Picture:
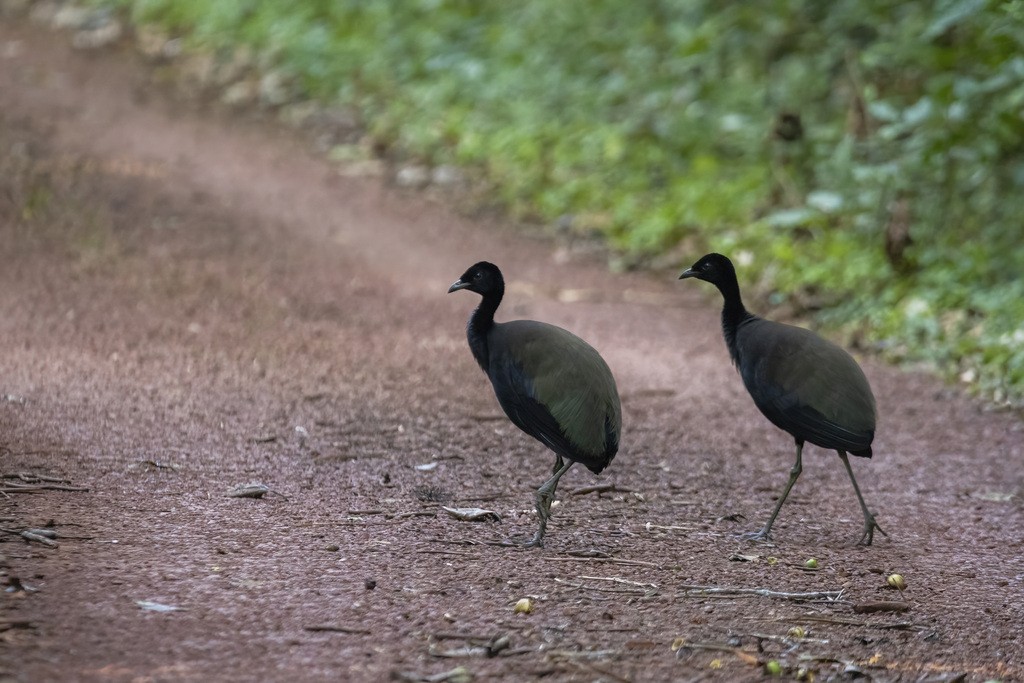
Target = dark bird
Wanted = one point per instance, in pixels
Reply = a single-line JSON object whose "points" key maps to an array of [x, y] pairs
{"points": [[804, 384], [551, 384]]}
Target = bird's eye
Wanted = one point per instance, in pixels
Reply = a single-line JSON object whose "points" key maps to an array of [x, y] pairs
{"points": [[478, 275]]}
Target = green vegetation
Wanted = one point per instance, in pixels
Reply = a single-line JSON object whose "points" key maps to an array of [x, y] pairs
{"points": [[860, 157]]}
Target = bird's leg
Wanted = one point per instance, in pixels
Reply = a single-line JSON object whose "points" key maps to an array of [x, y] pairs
{"points": [[869, 519], [794, 474], [558, 464], [545, 494]]}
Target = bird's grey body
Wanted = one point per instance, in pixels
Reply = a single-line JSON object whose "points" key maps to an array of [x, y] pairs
{"points": [[557, 389], [802, 383], [550, 383]]}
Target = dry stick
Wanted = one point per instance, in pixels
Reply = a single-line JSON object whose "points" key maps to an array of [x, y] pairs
{"points": [[623, 629], [718, 647], [600, 488], [448, 635], [158, 465], [29, 536], [609, 560], [35, 488], [869, 607], [33, 478], [839, 621], [615, 579], [448, 552], [599, 589], [787, 638], [327, 628], [763, 592], [469, 541], [584, 654]]}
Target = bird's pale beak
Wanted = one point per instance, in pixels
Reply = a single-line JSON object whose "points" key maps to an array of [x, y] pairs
{"points": [[689, 272], [457, 285]]}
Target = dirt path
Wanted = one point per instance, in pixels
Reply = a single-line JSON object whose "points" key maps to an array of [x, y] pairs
{"points": [[189, 303]]}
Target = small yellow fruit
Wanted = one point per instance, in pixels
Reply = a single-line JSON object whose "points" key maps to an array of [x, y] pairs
{"points": [[716, 664], [772, 561], [773, 668], [811, 563], [896, 581], [523, 606], [797, 632]]}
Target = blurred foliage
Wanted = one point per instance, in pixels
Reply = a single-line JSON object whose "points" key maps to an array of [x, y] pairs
{"points": [[863, 158]]}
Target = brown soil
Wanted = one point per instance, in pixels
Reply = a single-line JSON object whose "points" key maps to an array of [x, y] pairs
{"points": [[191, 302]]}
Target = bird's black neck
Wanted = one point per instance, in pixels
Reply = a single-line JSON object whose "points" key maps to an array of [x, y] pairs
{"points": [[481, 323], [733, 314]]}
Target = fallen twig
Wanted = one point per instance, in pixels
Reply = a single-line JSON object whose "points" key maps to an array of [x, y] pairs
{"points": [[830, 596], [600, 589], [417, 513], [788, 638], [253, 491], [36, 488], [683, 644], [33, 535], [584, 654], [870, 607], [490, 647], [601, 488], [158, 465], [454, 553], [676, 527], [471, 541], [328, 628], [608, 560], [30, 478], [449, 635], [898, 626], [616, 579]]}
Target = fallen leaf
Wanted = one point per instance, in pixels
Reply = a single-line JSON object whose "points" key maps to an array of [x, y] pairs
{"points": [[472, 514], [737, 557], [151, 606], [249, 491]]}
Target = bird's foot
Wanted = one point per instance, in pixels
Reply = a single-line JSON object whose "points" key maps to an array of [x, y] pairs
{"points": [[869, 531], [759, 535], [536, 542]]}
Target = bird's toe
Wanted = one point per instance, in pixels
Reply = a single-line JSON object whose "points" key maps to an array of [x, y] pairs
{"points": [[536, 542], [759, 535], [869, 531]]}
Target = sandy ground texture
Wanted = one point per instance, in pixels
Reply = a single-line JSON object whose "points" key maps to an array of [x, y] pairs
{"points": [[191, 301]]}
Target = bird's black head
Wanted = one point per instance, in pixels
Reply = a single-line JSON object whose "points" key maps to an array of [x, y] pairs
{"points": [[483, 278], [713, 268]]}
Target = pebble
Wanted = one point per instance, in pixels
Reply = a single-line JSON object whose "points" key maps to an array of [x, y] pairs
{"points": [[412, 176]]}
